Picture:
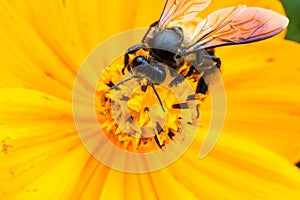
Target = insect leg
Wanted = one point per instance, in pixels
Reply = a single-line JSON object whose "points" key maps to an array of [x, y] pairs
{"points": [[199, 57], [206, 62], [157, 141], [178, 79], [210, 51], [159, 130], [160, 102], [210, 73], [215, 59], [211, 55], [201, 86]]}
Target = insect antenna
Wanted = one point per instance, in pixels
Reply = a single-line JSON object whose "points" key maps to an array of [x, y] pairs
{"points": [[156, 93], [124, 81]]}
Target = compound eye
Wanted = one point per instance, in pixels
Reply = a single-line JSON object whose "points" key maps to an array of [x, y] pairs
{"points": [[140, 60]]}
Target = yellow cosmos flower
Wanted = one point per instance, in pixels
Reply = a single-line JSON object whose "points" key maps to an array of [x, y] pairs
{"points": [[43, 44]]}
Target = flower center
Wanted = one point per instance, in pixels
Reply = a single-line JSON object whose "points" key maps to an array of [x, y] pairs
{"points": [[131, 116]]}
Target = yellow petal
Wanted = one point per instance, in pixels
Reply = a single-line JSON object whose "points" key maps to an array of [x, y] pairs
{"points": [[148, 12], [237, 169], [91, 180], [39, 145], [27, 58], [261, 82], [44, 43], [75, 26]]}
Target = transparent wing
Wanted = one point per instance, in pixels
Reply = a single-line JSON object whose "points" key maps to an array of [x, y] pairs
{"points": [[176, 11], [236, 25]]}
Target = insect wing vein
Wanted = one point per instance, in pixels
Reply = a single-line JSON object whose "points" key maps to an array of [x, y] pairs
{"points": [[236, 25]]}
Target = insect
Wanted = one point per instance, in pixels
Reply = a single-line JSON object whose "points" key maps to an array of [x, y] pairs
{"points": [[169, 42], [177, 37]]}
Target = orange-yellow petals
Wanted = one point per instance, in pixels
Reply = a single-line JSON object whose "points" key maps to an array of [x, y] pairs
{"points": [[261, 82], [27, 58], [237, 169], [43, 44], [38, 145]]}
